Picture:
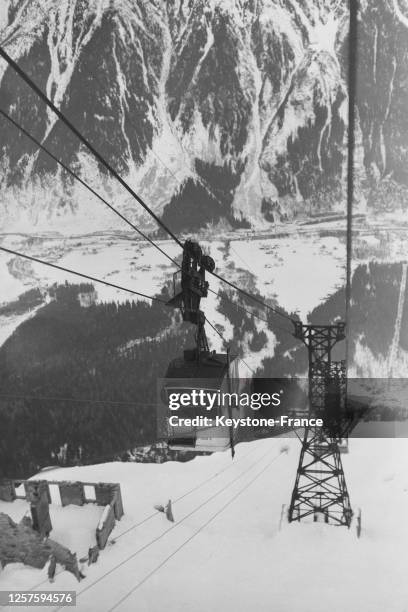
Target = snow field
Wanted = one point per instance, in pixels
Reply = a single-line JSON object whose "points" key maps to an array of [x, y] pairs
{"points": [[232, 555]]}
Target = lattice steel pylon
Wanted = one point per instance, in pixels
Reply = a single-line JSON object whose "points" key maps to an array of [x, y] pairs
{"points": [[320, 488]]}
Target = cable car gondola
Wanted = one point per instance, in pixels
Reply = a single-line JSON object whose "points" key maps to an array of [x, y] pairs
{"points": [[199, 368]]}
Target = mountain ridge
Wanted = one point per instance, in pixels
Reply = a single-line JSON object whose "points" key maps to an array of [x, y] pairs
{"points": [[233, 111]]}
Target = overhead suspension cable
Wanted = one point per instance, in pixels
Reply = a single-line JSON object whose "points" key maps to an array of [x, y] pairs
{"points": [[107, 283], [249, 312], [211, 192], [121, 288], [86, 142], [189, 492], [252, 297], [194, 534], [208, 188], [157, 512], [174, 525], [81, 274], [352, 90], [84, 183], [215, 329], [115, 174]]}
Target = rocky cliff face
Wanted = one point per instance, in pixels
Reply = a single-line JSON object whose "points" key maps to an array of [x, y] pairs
{"points": [[212, 109]]}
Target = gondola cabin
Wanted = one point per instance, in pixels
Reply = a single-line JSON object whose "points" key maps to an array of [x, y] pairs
{"points": [[199, 370], [212, 373]]}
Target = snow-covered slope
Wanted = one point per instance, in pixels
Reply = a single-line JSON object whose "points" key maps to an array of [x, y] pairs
{"points": [[227, 550], [234, 110]]}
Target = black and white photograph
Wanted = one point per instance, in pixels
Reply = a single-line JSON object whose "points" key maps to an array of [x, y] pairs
{"points": [[204, 305]]}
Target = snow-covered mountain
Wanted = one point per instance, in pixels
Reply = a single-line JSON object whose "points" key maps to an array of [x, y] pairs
{"points": [[212, 109]]}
